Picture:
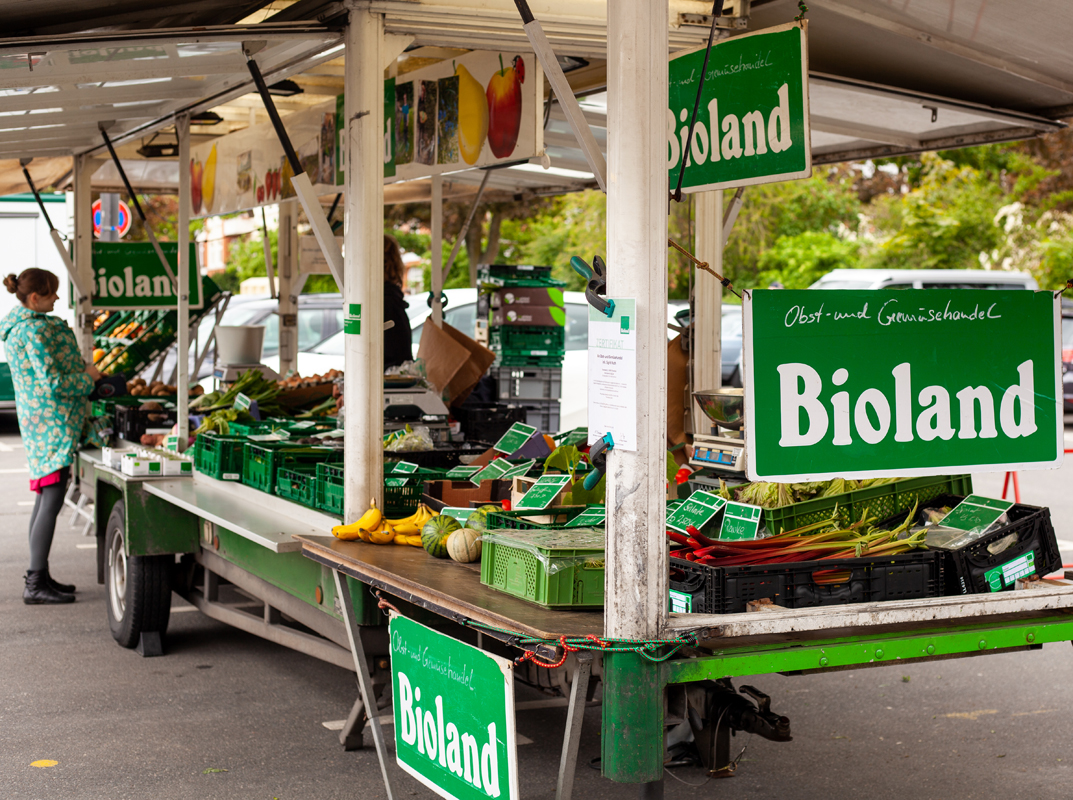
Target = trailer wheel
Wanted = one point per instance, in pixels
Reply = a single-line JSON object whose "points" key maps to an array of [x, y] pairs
{"points": [[138, 588]]}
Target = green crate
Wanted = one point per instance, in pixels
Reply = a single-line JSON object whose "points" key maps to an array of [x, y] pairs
{"points": [[528, 340], [527, 520], [880, 501], [401, 501], [218, 456], [330, 488], [261, 461], [298, 483], [552, 568]]}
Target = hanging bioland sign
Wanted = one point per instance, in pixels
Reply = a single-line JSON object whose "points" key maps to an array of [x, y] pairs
{"points": [[129, 275], [860, 384], [753, 119], [454, 714]]}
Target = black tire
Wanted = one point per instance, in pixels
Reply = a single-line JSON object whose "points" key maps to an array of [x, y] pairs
{"points": [[137, 588]]}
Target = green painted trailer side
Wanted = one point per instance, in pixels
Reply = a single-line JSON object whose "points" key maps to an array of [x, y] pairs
{"points": [[633, 698]]}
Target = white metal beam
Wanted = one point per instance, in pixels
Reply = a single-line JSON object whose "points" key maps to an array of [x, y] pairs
{"points": [[182, 347]]}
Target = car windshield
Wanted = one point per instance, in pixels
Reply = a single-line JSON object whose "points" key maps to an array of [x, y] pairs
{"points": [[845, 283], [731, 327], [1067, 332], [332, 346]]}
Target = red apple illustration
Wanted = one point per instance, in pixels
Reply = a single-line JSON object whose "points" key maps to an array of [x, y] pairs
{"points": [[196, 171], [505, 107]]}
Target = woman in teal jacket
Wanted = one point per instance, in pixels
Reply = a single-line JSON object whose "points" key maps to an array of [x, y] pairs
{"points": [[51, 386]]}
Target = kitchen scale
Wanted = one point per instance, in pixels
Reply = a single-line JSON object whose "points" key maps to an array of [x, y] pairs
{"points": [[722, 451]]}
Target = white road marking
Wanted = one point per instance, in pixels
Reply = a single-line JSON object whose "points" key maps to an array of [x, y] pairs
{"points": [[1064, 544], [180, 609], [90, 547], [14, 471], [9, 448], [25, 503]]}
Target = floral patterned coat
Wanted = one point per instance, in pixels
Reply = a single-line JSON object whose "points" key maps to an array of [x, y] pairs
{"points": [[51, 387]]}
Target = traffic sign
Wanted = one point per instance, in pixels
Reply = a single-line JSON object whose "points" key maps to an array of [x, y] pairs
{"points": [[124, 218]]}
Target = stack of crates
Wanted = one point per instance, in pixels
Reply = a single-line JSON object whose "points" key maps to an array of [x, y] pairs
{"points": [[527, 332]]}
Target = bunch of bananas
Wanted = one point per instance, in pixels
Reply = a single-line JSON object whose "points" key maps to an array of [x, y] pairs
{"points": [[374, 528]]}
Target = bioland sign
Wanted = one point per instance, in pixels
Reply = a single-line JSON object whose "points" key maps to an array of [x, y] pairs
{"points": [[861, 384], [752, 123], [454, 714]]}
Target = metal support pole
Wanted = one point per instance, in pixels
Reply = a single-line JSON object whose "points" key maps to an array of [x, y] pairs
{"points": [[636, 601], [182, 359], [57, 239], [437, 273], [270, 267], [575, 716], [465, 227], [303, 187], [361, 665], [138, 207], [363, 290], [565, 95], [707, 302], [84, 167], [287, 254]]}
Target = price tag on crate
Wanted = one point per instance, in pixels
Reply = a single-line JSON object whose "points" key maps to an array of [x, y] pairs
{"points": [[741, 522], [242, 403], [698, 510], [515, 438], [976, 513], [542, 493], [1005, 575], [393, 436], [461, 473], [591, 517], [304, 425], [403, 468], [171, 443], [456, 512], [394, 482], [491, 472]]}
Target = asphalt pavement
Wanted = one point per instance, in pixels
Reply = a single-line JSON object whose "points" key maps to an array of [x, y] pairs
{"points": [[227, 715]]}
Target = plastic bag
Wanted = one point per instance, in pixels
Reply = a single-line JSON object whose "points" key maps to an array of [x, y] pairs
{"points": [[415, 441]]}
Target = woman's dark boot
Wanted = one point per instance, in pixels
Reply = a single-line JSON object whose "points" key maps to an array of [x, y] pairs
{"points": [[64, 588], [38, 591]]}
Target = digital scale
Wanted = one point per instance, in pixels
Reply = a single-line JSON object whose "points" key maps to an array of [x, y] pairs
{"points": [[722, 451], [415, 405], [229, 373]]}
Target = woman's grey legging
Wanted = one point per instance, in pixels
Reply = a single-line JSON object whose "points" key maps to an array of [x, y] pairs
{"points": [[43, 523]]}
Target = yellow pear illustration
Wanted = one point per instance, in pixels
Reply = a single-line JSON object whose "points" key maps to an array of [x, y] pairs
{"points": [[472, 115], [208, 180]]}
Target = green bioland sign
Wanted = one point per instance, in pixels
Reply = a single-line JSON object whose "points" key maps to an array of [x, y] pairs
{"points": [[129, 275], [915, 382], [752, 123], [454, 714]]}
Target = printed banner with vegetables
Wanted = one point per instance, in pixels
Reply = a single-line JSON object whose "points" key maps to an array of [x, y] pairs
{"points": [[915, 382]]}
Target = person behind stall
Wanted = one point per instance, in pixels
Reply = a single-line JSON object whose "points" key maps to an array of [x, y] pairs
{"points": [[51, 386], [397, 338]]}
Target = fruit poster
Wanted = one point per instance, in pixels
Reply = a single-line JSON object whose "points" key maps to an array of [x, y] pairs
{"points": [[247, 169], [480, 109]]}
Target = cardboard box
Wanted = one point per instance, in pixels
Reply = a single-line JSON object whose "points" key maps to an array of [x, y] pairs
{"points": [[465, 494], [533, 316], [526, 297]]}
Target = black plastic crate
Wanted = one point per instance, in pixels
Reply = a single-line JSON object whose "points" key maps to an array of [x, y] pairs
{"points": [[443, 456], [975, 569], [487, 422], [131, 422], [808, 584]]}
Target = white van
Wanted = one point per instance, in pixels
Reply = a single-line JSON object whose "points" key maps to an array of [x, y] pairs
{"points": [[924, 279]]}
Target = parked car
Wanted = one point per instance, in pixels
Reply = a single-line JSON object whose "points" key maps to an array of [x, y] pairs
{"points": [[925, 279]]}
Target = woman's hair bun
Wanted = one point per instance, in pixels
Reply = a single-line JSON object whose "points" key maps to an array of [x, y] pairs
{"points": [[11, 283]]}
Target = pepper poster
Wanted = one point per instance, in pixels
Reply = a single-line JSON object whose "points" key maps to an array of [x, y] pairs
{"points": [[864, 384]]}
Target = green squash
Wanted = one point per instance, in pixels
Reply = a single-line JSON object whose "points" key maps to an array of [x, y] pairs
{"points": [[435, 532]]}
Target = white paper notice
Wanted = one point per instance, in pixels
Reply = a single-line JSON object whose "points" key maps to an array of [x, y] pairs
{"points": [[613, 375]]}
